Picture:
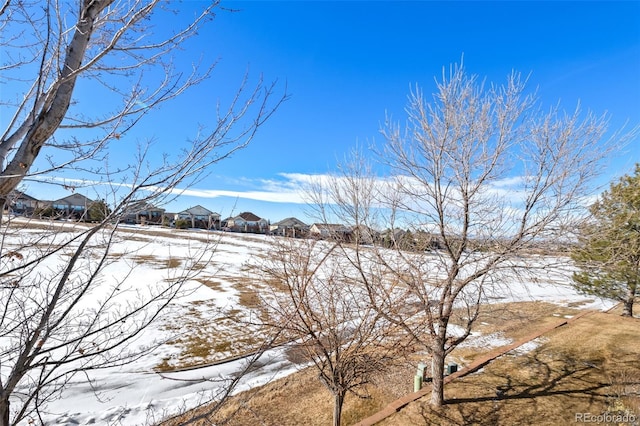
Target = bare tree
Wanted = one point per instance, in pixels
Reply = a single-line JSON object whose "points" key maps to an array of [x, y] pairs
{"points": [[317, 302], [57, 317], [130, 65], [480, 175]]}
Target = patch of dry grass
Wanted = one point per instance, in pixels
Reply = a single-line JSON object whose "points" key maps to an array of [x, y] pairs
{"points": [[144, 259], [285, 402], [45, 224], [512, 321], [210, 282], [203, 339], [199, 266], [234, 331], [249, 298], [249, 290], [200, 350], [117, 255], [173, 263], [148, 259], [589, 366]]}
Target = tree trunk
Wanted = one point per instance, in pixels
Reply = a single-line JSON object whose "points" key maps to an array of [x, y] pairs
{"points": [[4, 411], [627, 310], [437, 373], [3, 202], [337, 408]]}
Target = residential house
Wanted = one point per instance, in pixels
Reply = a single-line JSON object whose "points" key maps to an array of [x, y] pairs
{"points": [[200, 217], [143, 213], [246, 222], [22, 204], [330, 231], [73, 206], [364, 235], [289, 227]]}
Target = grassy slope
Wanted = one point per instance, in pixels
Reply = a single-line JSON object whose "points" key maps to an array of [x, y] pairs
{"points": [[588, 366]]}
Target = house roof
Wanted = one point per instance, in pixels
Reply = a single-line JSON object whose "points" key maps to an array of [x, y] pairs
{"points": [[331, 227], [364, 228], [248, 216], [19, 195], [290, 221], [197, 211], [74, 199]]}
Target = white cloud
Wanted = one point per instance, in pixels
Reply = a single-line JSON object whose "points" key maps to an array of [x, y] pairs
{"points": [[287, 190], [293, 188], [274, 196]]}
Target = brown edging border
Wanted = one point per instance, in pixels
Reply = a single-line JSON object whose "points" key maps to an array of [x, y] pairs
{"points": [[400, 403]]}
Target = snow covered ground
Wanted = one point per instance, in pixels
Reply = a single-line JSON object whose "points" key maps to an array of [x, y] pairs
{"points": [[134, 394], [130, 396]]}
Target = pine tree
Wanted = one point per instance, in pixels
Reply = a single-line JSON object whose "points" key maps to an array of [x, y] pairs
{"points": [[609, 251], [97, 211]]}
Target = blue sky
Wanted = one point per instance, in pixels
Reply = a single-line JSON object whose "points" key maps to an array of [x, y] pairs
{"points": [[346, 64]]}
